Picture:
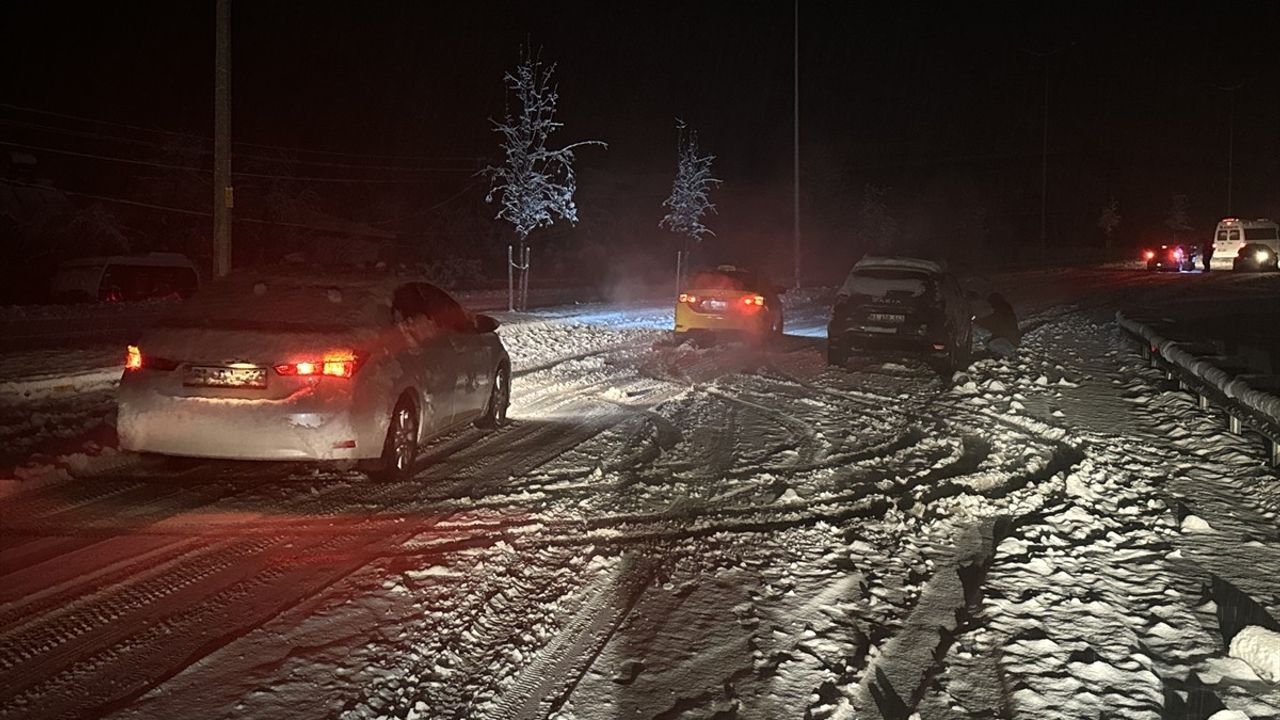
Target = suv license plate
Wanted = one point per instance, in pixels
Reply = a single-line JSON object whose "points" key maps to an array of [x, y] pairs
{"points": [[886, 317], [226, 377]]}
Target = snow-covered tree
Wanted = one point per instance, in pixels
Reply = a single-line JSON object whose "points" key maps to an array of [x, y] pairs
{"points": [[689, 201], [876, 225], [1109, 219], [1179, 213], [535, 184]]}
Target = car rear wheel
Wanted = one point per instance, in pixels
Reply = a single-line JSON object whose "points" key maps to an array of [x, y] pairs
{"points": [[495, 413], [401, 446]]}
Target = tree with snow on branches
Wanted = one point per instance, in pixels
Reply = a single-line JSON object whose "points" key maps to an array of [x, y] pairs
{"points": [[1109, 220], [535, 184], [689, 201]]}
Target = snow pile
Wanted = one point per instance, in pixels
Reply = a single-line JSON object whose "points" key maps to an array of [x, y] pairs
{"points": [[1230, 385], [1194, 523], [1260, 649]]}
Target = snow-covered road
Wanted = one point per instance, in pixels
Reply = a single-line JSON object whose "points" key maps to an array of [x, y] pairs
{"points": [[669, 532]]}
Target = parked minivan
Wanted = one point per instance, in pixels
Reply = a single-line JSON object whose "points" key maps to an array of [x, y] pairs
{"points": [[1233, 233], [124, 278]]}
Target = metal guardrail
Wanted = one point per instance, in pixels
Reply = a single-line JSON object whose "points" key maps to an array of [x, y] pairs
{"points": [[1226, 390]]}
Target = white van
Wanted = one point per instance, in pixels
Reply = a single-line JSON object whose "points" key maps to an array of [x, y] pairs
{"points": [[123, 278], [1233, 233]]}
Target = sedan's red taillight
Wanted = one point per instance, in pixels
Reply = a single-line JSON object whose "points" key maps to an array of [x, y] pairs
{"points": [[688, 298], [340, 364], [752, 302], [135, 360]]}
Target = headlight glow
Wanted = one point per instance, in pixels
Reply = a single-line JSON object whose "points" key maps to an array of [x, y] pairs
{"points": [[1262, 256]]}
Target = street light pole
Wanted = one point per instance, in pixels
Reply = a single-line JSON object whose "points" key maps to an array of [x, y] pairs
{"points": [[1044, 172], [1044, 151], [222, 197], [1230, 90], [1231, 144], [795, 141]]}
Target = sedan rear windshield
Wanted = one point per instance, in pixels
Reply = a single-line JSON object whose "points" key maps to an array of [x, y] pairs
{"points": [[293, 306]]}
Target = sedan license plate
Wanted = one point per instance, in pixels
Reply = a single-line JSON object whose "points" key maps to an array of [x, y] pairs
{"points": [[717, 304], [886, 317], [225, 377]]}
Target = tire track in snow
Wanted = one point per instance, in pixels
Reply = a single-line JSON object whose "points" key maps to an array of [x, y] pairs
{"points": [[20, 640]]}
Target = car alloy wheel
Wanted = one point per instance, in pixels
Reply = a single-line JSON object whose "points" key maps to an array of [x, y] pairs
{"points": [[495, 413], [402, 442]]}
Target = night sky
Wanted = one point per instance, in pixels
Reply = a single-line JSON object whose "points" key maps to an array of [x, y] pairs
{"points": [[897, 95]]}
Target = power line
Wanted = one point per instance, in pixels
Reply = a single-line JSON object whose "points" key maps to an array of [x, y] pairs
{"points": [[139, 128], [202, 213], [429, 210], [203, 150], [92, 156], [190, 168]]}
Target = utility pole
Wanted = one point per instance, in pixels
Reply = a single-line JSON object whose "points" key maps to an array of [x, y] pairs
{"points": [[222, 191], [1231, 139], [795, 140], [1044, 151], [1044, 172], [1231, 145], [1230, 90]]}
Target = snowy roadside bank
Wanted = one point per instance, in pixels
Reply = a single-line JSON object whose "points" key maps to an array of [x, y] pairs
{"points": [[1201, 372], [1124, 595]]}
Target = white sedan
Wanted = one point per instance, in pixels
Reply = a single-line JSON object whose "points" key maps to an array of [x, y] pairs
{"points": [[305, 367]]}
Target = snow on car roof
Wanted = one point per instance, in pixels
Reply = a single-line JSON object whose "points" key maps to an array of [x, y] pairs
{"points": [[896, 261]]}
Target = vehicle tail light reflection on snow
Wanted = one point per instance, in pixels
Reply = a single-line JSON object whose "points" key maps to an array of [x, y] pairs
{"points": [[342, 365]]}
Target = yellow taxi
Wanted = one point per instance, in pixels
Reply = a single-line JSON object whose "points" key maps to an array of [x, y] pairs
{"points": [[728, 302]]}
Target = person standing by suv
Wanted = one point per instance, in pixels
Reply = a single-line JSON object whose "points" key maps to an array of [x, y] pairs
{"points": [[1002, 324]]}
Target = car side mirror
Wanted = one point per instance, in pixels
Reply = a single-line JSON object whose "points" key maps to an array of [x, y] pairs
{"points": [[485, 324]]}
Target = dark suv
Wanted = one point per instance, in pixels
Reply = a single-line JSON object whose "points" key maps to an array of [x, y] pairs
{"points": [[1255, 257], [899, 305]]}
